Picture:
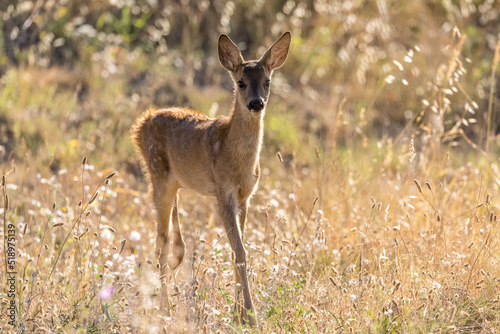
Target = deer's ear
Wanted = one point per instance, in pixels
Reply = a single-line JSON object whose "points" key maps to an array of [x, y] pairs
{"points": [[229, 54], [276, 55]]}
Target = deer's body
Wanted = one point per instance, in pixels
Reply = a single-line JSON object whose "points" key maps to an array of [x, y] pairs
{"points": [[214, 145], [182, 148]]}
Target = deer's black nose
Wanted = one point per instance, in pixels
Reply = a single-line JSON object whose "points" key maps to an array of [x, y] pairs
{"points": [[256, 105]]}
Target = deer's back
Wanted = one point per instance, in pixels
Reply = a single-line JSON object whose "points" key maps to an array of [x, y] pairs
{"points": [[177, 143]]}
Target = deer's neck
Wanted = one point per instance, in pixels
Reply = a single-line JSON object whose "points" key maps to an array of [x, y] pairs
{"points": [[245, 134]]}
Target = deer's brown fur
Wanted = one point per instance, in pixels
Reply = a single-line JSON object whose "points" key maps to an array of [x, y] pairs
{"points": [[182, 148]]}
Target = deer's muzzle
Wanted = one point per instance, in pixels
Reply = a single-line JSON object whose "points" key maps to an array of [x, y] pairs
{"points": [[256, 105]]}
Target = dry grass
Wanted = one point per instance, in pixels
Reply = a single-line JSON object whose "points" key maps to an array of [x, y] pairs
{"points": [[410, 249]]}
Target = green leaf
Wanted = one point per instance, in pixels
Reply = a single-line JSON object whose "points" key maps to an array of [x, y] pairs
{"points": [[105, 307]]}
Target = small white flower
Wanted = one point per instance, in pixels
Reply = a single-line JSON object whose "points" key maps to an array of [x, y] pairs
{"points": [[134, 236], [390, 79]]}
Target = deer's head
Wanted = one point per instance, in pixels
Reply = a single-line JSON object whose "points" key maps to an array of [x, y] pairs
{"points": [[253, 77]]}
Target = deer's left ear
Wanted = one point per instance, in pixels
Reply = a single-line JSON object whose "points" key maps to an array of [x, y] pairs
{"points": [[276, 55]]}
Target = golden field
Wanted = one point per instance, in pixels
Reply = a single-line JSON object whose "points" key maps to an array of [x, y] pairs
{"points": [[377, 208]]}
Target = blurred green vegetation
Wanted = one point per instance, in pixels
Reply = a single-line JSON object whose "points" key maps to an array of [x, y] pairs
{"points": [[78, 72]]}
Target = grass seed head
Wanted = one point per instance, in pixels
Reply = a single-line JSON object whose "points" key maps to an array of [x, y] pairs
{"points": [[418, 185], [122, 245], [110, 175], [411, 152], [332, 281], [280, 158]]}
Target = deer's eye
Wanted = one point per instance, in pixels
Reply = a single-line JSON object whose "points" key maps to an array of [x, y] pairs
{"points": [[241, 84], [267, 83]]}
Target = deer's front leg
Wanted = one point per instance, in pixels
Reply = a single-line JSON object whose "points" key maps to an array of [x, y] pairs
{"points": [[229, 214], [242, 216]]}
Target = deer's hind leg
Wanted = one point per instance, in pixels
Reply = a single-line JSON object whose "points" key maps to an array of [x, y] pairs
{"points": [[178, 247], [165, 198]]}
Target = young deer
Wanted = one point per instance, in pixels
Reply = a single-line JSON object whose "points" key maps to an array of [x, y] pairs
{"points": [[182, 148]]}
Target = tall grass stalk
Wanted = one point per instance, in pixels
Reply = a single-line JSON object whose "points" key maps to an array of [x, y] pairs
{"points": [[489, 119]]}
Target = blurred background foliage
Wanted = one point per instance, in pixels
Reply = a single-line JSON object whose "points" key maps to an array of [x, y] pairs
{"points": [[78, 72]]}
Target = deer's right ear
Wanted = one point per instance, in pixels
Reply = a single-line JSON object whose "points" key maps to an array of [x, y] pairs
{"points": [[229, 54], [276, 55]]}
